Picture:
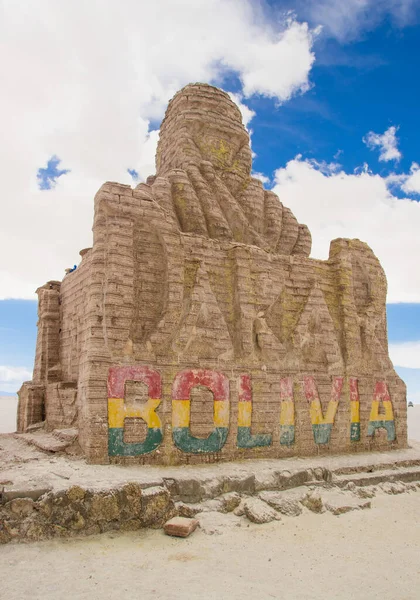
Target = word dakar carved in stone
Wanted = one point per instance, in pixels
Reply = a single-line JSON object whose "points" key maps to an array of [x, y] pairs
{"points": [[219, 385]]}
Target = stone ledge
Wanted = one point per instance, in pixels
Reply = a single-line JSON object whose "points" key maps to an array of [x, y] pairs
{"points": [[48, 496]]}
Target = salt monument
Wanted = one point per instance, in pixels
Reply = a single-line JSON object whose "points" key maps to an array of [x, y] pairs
{"points": [[197, 328]]}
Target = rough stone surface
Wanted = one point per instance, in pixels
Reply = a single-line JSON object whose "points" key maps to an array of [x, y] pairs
{"points": [[287, 503], [365, 492], [339, 503], [75, 508], [188, 510], [314, 502], [334, 500], [197, 329], [78, 511], [393, 488], [259, 512], [156, 504]]}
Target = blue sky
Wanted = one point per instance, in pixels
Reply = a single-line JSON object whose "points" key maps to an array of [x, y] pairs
{"points": [[329, 91]]}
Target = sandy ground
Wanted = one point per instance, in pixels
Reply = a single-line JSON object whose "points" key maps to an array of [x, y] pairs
{"points": [[365, 554]]}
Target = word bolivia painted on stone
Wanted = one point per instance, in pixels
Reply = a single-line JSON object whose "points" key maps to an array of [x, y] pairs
{"points": [[218, 384]]}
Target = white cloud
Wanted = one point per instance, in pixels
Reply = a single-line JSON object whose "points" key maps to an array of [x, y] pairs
{"points": [[11, 378], [359, 205], [84, 80], [247, 113], [265, 180], [349, 19], [411, 183], [386, 142], [405, 354]]}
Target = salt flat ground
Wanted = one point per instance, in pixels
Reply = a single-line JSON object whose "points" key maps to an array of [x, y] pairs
{"points": [[8, 408], [365, 554]]}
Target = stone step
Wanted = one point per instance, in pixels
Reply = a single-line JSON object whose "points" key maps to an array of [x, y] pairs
{"points": [[361, 479], [66, 435], [370, 468], [45, 441]]}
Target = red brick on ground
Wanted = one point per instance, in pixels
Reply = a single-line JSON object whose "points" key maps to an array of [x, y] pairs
{"points": [[180, 526]]}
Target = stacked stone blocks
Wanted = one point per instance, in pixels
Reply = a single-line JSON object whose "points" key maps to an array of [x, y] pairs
{"points": [[201, 276]]}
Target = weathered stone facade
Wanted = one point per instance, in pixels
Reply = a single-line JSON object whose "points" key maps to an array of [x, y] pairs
{"points": [[196, 328]]}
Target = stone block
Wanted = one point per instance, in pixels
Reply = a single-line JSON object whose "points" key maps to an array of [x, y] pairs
{"points": [[180, 526]]}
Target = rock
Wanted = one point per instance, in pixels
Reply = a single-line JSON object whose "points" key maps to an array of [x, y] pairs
{"points": [[78, 522], [230, 501], [157, 506], [322, 474], [104, 507], [267, 480], [34, 494], [130, 501], [130, 525], [5, 536], [390, 487], [35, 427], [313, 501], [188, 510], [180, 526], [21, 506], [259, 512], [288, 480], [239, 484], [38, 531], [45, 441], [339, 503], [213, 505], [66, 435], [287, 502], [240, 509], [75, 493], [365, 492], [187, 490]]}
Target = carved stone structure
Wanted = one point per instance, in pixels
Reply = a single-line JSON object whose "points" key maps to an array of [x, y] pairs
{"points": [[198, 329]]}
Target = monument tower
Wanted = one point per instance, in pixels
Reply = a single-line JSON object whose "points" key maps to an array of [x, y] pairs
{"points": [[197, 328]]}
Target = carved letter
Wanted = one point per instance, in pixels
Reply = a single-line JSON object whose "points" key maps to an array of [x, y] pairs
{"points": [[181, 410], [245, 439], [322, 426], [386, 421], [118, 411]]}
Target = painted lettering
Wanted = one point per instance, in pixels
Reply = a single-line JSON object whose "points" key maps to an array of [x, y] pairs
{"points": [[385, 421], [217, 383], [354, 410], [118, 410], [322, 426], [245, 439], [287, 412]]}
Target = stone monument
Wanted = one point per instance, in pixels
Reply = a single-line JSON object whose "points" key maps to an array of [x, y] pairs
{"points": [[197, 328]]}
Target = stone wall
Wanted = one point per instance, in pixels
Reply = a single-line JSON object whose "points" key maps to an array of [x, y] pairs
{"points": [[197, 329]]}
